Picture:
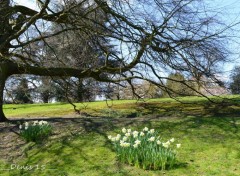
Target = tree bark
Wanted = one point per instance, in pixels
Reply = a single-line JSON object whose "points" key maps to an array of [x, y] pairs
{"points": [[3, 78]]}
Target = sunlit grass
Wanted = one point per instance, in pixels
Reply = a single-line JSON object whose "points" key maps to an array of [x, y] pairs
{"points": [[210, 146], [124, 108], [209, 135]]}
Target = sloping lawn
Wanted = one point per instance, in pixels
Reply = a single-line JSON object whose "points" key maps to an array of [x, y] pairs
{"points": [[127, 108]]}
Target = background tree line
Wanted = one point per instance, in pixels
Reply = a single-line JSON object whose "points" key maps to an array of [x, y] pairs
{"points": [[47, 89]]}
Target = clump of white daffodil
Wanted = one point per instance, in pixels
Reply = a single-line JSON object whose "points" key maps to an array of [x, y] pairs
{"points": [[35, 131], [144, 149]]}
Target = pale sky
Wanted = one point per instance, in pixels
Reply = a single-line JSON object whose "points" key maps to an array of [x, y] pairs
{"points": [[230, 9], [28, 3]]}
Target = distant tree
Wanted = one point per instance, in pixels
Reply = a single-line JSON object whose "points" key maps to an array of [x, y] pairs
{"points": [[22, 92], [177, 85], [235, 80], [88, 51], [74, 90], [138, 89], [151, 90], [45, 89]]}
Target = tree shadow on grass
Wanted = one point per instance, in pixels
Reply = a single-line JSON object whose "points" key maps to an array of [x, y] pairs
{"points": [[68, 130], [178, 109]]}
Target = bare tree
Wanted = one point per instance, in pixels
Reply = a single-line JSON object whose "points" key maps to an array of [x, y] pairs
{"points": [[148, 38]]}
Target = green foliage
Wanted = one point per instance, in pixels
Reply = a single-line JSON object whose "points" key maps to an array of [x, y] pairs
{"points": [[45, 89], [177, 85], [144, 149], [35, 131], [80, 91], [22, 92], [151, 90], [235, 80], [79, 50]]}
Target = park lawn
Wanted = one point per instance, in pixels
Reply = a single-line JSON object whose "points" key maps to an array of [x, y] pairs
{"points": [[57, 109], [210, 146], [210, 138], [124, 108]]}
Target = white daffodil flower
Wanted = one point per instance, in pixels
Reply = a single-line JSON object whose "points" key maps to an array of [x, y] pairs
{"points": [[158, 142], [118, 137], [141, 134], [125, 138], [166, 144], [172, 140], [122, 144], [114, 139], [152, 131], [124, 130], [145, 129], [109, 137], [135, 145], [45, 122], [178, 145], [137, 142], [41, 122], [151, 139], [125, 144], [128, 134], [135, 132]]}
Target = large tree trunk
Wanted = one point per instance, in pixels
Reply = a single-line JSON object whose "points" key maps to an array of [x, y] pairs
{"points": [[5, 29], [3, 78]]}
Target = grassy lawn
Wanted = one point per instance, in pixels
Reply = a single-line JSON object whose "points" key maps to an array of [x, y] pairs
{"points": [[126, 108], [209, 134]]}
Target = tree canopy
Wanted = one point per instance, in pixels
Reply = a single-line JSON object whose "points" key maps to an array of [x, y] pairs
{"points": [[235, 80], [121, 40]]}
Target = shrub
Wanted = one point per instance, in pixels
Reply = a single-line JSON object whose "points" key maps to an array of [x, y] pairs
{"points": [[144, 149], [35, 131]]}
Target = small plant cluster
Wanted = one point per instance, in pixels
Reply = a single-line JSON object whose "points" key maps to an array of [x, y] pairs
{"points": [[35, 131], [144, 149]]}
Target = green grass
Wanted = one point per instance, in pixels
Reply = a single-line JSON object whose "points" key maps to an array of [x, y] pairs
{"points": [[210, 146], [209, 134], [56, 109], [125, 108]]}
